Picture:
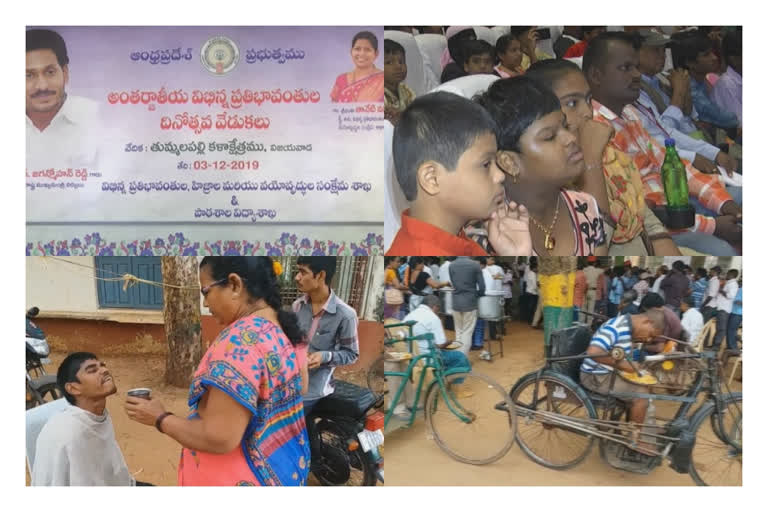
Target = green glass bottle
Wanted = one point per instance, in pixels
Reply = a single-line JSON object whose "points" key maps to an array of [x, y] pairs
{"points": [[674, 177]]}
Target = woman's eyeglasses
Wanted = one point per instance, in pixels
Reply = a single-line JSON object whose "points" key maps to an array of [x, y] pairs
{"points": [[204, 291]]}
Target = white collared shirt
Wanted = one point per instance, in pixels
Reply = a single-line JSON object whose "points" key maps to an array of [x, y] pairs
{"points": [[444, 275], [71, 140], [493, 285], [725, 302], [693, 323], [713, 290]]}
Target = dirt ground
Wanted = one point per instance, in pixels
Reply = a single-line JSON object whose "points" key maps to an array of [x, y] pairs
{"points": [[413, 459], [151, 456]]}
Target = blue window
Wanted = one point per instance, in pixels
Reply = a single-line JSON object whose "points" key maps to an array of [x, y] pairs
{"points": [[138, 296]]}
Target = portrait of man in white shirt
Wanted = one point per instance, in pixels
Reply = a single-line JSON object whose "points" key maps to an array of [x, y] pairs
{"points": [[62, 130]]}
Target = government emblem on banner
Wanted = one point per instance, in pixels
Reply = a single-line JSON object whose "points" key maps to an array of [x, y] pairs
{"points": [[219, 55]]}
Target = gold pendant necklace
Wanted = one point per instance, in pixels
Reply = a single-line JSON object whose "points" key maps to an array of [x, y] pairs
{"points": [[549, 240]]}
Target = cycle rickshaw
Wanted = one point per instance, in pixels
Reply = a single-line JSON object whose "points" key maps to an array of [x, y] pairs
{"points": [[559, 421]]}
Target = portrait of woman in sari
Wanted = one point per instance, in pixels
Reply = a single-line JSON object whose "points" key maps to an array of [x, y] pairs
{"points": [[245, 424], [366, 81]]}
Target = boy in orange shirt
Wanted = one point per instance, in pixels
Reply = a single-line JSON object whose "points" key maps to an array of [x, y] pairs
{"points": [[444, 149]]}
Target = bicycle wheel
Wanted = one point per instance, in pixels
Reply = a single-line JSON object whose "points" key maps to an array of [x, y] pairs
{"points": [[468, 426], [716, 457], [336, 464], [547, 443]]}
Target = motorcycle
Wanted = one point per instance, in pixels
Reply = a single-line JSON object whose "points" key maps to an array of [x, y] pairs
{"points": [[344, 438], [41, 387]]}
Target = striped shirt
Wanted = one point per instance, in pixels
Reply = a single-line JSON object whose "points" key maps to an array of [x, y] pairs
{"points": [[616, 332], [648, 156], [698, 290]]}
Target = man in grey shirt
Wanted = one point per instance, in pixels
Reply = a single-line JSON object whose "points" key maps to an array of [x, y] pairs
{"points": [[468, 283], [329, 323]]}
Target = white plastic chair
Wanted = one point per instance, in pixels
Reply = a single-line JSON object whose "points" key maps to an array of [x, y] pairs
{"points": [[576, 60], [486, 34], [431, 47], [415, 78], [36, 419], [500, 31], [394, 200], [467, 86]]}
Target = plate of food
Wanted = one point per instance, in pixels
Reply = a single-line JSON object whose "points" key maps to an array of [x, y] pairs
{"points": [[454, 345]]}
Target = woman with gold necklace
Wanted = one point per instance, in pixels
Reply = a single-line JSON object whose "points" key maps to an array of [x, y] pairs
{"points": [[540, 157]]}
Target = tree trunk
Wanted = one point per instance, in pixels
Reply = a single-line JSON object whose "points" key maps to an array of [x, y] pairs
{"points": [[557, 279], [181, 311]]}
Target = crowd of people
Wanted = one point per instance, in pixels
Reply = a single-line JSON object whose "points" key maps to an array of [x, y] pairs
{"points": [[622, 304], [248, 399], [690, 298], [563, 156]]}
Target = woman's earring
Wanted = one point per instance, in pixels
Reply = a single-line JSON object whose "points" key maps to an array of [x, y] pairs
{"points": [[514, 178]]}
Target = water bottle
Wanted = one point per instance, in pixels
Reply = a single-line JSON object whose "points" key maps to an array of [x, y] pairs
{"points": [[680, 214]]}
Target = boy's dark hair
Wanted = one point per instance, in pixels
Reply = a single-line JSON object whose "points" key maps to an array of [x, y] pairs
{"points": [[597, 50], [514, 104], [547, 72], [732, 274], [42, 39], [679, 266], [717, 270], [502, 43], [439, 126], [368, 36], [477, 47], [68, 369], [687, 46], [732, 44], [392, 47], [415, 261], [651, 300], [701, 272], [517, 31], [688, 301], [319, 263], [483, 260]]}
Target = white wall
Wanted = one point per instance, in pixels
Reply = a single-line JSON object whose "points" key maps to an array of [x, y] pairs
{"points": [[53, 285]]}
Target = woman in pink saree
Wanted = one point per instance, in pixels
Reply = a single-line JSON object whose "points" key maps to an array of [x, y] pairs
{"points": [[245, 425], [366, 81]]}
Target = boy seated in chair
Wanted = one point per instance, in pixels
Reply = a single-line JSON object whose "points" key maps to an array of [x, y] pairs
{"points": [[596, 369]]}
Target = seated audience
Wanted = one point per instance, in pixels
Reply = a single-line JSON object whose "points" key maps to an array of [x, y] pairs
{"points": [[695, 52], [479, 57], [727, 91], [610, 175], [510, 56], [444, 150], [454, 54], [540, 157], [397, 95], [664, 116], [578, 49], [610, 66]]}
